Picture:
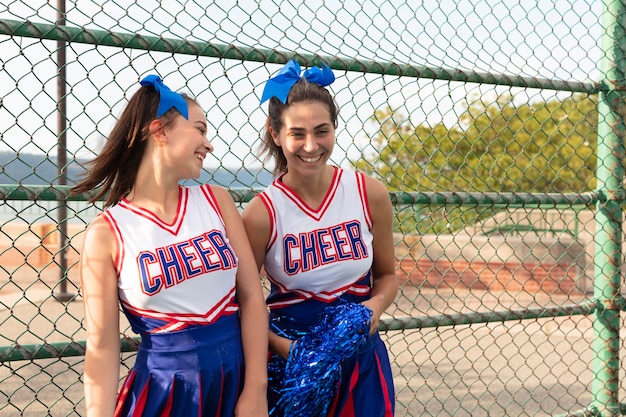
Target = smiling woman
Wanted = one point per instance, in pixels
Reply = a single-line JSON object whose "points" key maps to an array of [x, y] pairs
{"points": [[177, 260], [323, 236]]}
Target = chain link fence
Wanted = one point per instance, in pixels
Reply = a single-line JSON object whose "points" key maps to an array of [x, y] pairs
{"points": [[496, 125]]}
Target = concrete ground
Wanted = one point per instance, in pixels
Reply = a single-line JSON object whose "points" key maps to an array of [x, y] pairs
{"points": [[535, 367]]}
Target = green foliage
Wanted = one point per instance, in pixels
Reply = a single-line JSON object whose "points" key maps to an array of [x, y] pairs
{"points": [[496, 146]]}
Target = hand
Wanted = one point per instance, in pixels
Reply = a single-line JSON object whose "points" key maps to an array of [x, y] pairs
{"points": [[280, 345], [375, 318], [252, 403]]}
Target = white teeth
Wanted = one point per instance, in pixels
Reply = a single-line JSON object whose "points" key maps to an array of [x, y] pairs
{"points": [[200, 157], [312, 159]]}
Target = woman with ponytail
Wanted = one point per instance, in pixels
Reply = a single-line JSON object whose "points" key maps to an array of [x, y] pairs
{"points": [[177, 260]]}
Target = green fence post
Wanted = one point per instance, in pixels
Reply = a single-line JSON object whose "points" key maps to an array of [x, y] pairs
{"points": [[610, 174]]}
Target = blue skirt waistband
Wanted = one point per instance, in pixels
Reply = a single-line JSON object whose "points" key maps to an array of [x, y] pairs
{"points": [[224, 329]]}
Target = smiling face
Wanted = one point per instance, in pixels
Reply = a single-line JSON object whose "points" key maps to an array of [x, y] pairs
{"points": [[307, 137], [187, 144]]}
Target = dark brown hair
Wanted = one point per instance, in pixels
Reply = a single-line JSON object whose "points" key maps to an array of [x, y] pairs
{"points": [[115, 168], [302, 90]]}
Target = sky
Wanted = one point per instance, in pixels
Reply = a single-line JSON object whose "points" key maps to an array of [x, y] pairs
{"points": [[543, 39]]}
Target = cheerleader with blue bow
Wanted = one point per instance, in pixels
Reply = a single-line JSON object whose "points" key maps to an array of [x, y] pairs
{"points": [[322, 235], [177, 260]]}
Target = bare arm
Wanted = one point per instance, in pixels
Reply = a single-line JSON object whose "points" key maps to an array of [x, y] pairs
{"points": [[257, 223], [253, 312], [385, 284], [256, 220], [100, 302]]}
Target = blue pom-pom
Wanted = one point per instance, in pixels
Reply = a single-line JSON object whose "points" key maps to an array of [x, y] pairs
{"points": [[311, 375]]}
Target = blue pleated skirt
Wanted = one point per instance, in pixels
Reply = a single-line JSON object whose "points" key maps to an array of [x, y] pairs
{"points": [[193, 372]]}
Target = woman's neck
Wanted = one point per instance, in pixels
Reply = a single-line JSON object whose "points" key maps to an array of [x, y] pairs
{"points": [[311, 189]]}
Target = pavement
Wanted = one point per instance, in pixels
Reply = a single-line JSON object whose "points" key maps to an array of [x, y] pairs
{"points": [[517, 368]]}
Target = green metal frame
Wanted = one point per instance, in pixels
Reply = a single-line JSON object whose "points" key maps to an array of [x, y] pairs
{"points": [[608, 237]]}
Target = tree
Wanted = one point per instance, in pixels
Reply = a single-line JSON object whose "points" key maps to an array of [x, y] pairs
{"points": [[496, 146]]}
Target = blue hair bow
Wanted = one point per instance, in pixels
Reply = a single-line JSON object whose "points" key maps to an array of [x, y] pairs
{"points": [[280, 85], [167, 97]]}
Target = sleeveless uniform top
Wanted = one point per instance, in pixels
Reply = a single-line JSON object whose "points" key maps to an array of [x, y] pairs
{"points": [[317, 256], [174, 276]]}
